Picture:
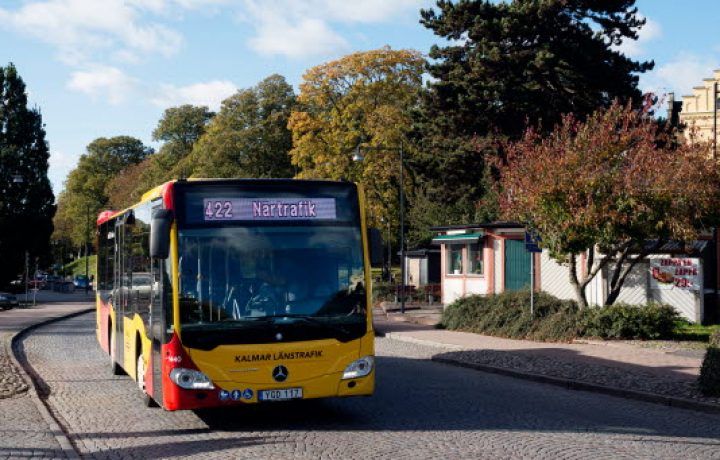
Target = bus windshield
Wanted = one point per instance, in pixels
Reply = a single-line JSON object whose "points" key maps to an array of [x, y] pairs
{"points": [[255, 276]]}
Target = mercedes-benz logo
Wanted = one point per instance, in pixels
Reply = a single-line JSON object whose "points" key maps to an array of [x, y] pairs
{"points": [[280, 373]]}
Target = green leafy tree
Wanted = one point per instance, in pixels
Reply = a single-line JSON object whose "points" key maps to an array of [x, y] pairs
{"points": [[509, 64], [86, 188], [248, 137], [179, 129], [26, 208], [612, 188], [363, 98]]}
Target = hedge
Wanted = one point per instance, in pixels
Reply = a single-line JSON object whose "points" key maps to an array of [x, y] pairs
{"points": [[508, 315]]}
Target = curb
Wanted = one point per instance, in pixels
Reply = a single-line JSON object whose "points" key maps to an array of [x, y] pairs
{"points": [[569, 384], [413, 320], [58, 433]]}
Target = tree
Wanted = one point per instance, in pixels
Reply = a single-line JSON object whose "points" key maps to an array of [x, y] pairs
{"points": [[248, 137], [179, 129], [612, 187], [508, 64], [26, 208], [128, 186], [363, 98], [86, 188]]}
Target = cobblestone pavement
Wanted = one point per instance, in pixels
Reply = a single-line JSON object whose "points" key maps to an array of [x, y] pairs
{"points": [[11, 381], [666, 373], [24, 432], [422, 409]]}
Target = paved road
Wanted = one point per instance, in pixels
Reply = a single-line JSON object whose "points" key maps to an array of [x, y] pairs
{"points": [[421, 410]]}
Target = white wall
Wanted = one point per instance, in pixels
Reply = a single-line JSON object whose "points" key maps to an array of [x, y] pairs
{"points": [[476, 286], [554, 280], [498, 266], [452, 290]]}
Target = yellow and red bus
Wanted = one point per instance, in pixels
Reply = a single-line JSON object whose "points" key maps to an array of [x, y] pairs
{"points": [[221, 292]]}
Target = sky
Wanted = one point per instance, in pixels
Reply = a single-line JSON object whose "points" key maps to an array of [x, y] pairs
{"points": [[103, 68]]}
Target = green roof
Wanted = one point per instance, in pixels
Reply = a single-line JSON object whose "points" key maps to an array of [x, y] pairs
{"points": [[458, 238]]}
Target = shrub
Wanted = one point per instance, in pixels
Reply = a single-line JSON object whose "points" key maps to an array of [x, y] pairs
{"points": [[715, 339], [621, 321], [709, 380], [508, 315], [383, 292]]}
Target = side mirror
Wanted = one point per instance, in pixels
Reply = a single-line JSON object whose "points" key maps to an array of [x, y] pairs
{"points": [[160, 224], [375, 244]]}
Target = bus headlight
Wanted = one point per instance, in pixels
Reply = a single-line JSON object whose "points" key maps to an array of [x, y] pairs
{"points": [[190, 379], [359, 368]]}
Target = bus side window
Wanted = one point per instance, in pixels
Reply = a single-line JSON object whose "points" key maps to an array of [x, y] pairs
{"points": [[139, 271]]}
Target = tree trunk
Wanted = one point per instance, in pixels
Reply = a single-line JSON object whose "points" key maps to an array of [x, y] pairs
{"points": [[579, 288], [620, 274]]}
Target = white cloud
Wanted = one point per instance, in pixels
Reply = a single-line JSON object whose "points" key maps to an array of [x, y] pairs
{"points": [[60, 165], [679, 75], [210, 93], [365, 11], [81, 28], [308, 37], [636, 48], [104, 82], [300, 28]]}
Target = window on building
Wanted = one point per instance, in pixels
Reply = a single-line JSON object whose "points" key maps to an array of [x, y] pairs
{"points": [[475, 259], [454, 259]]}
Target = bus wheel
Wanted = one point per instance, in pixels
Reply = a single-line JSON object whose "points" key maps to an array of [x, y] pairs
{"points": [[114, 367], [147, 399]]}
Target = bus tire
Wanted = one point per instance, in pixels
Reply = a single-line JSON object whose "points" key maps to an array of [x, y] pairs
{"points": [[115, 368], [148, 401]]}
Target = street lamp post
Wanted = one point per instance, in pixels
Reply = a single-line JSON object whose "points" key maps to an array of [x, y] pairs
{"points": [[389, 250], [359, 156]]}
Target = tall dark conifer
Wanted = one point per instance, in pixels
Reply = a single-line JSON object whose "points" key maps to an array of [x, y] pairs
{"points": [[26, 198], [507, 64]]}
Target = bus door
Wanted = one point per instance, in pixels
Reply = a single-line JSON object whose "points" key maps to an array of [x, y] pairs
{"points": [[121, 295], [160, 316]]}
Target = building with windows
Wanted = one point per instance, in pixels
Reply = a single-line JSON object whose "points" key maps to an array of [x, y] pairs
{"points": [[482, 259], [697, 111], [494, 257]]}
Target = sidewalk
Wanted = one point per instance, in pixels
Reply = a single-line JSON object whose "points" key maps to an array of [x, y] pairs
{"points": [[617, 368], [26, 428]]}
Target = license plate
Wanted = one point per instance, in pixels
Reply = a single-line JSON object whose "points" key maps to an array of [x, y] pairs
{"points": [[281, 394]]}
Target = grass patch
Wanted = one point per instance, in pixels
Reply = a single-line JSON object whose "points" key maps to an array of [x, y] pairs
{"points": [[691, 332], [77, 267]]}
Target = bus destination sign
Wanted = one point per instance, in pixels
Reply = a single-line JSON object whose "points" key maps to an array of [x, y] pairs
{"points": [[274, 209]]}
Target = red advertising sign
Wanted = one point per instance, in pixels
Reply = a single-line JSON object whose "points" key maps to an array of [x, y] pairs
{"points": [[675, 273]]}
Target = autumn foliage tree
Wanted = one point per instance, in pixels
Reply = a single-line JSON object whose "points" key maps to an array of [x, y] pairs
{"points": [[363, 98], [612, 188]]}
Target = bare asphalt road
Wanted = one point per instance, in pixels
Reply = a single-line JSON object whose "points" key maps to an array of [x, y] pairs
{"points": [[421, 410]]}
